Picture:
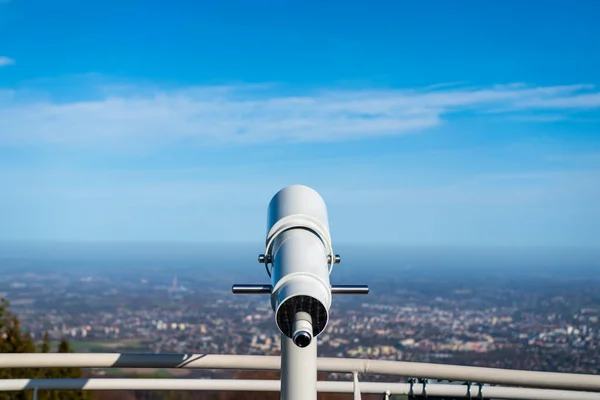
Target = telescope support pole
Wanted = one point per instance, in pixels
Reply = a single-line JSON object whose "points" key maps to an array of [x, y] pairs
{"points": [[298, 370]]}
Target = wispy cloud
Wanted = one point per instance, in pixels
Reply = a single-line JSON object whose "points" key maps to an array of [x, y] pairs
{"points": [[5, 61], [258, 113]]}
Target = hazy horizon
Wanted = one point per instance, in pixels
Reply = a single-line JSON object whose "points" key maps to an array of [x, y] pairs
{"points": [[356, 259]]}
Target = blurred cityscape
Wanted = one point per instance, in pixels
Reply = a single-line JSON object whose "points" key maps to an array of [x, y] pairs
{"points": [[547, 323]]}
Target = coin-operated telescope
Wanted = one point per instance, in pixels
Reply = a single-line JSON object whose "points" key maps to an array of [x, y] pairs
{"points": [[300, 253], [298, 258]]}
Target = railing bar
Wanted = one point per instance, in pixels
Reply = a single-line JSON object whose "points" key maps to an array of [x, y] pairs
{"points": [[548, 380], [497, 392]]}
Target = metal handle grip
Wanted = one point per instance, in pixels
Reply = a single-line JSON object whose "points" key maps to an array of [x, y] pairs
{"points": [[349, 289], [251, 289], [265, 289]]}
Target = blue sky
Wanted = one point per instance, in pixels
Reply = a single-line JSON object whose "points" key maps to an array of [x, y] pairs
{"points": [[438, 123]]}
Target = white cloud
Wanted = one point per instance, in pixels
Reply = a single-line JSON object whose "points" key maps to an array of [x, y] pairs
{"points": [[5, 61], [125, 114], [583, 101]]}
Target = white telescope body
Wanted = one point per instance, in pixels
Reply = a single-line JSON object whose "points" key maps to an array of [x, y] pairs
{"points": [[299, 258], [299, 249]]}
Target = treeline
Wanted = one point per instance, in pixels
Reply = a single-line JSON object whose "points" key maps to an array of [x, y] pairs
{"points": [[14, 340]]}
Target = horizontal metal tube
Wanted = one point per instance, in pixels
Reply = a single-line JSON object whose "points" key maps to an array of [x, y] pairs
{"points": [[349, 289], [251, 289], [549, 380], [266, 289], [497, 392]]}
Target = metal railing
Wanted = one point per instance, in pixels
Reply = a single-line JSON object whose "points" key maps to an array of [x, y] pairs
{"points": [[525, 384]]}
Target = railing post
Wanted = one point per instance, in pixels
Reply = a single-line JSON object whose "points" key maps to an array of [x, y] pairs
{"points": [[298, 370], [355, 387]]}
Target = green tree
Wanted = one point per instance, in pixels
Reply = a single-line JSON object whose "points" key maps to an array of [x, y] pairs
{"points": [[53, 373], [45, 346], [14, 340]]}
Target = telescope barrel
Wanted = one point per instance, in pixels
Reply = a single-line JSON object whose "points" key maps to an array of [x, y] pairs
{"points": [[299, 247]]}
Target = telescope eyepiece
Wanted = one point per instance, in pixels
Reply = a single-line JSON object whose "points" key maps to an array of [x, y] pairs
{"points": [[302, 331], [302, 338]]}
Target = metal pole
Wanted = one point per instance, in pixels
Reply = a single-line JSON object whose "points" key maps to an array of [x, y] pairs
{"points": [[298, 370]]}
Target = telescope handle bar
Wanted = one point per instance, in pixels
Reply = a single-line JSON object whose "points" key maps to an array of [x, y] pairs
{"points": [[266, 289]]}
